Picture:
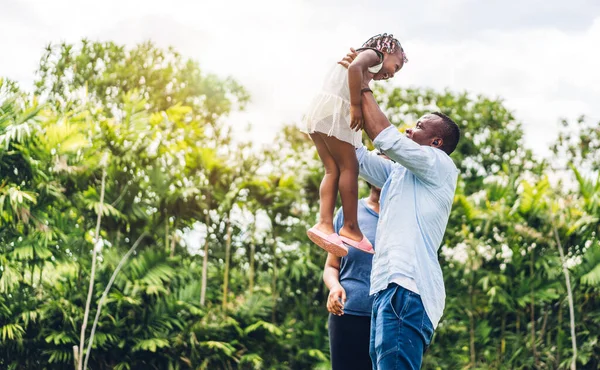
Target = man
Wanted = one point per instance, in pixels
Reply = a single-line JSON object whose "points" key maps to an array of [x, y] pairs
{"points": [[416, 199]]}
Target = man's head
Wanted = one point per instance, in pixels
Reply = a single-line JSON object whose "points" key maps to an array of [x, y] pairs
{"points": [[437, 130]]}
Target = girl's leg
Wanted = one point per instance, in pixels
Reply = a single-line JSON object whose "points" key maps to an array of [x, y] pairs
{"points": [[344, 156], [329, 186]]}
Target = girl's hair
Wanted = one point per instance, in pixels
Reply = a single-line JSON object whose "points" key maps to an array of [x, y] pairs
{"points": [[386, 44]]}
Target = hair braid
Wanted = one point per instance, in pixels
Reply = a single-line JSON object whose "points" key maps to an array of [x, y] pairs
{"points": [[386, 44]]}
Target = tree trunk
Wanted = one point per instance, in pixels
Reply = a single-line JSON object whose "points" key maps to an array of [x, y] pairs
{"points": [[41, 275], [92, 273], [205, 262], [227, 257], [472, 339], [471, 323], [173, 239], [33, 269], [544, 325], [251, 258], [252, 252], [76, 356], [166, 233], [105, 293], [532, 308], [559, 335], [570, 297], [274, 279], [502, 347]]}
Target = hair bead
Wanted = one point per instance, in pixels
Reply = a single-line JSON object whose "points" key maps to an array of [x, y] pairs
{"points": [[385, 43]]}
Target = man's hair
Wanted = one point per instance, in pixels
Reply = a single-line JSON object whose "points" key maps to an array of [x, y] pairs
{"points": [[450, 133]]}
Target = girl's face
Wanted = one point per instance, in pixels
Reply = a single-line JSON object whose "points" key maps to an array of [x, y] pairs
{"points": [[392, 63]]}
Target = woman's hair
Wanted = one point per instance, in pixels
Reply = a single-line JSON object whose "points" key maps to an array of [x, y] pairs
{"points": [[386, 44]]}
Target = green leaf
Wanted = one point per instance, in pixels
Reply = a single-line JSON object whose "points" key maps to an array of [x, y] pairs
{"points": [[226, 348], [10, 277], [150, 344], [59, 337], [273, 329], [12, 332]]}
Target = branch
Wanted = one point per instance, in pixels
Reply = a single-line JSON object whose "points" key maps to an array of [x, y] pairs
{"points": [[569, 295], [93, 272], [105, 293]]}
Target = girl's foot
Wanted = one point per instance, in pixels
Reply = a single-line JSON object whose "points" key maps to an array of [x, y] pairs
{"points": [[329, 241], [356, 240]]}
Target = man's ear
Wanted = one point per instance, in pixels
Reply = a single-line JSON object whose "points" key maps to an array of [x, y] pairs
{"points": [[437, 142]]}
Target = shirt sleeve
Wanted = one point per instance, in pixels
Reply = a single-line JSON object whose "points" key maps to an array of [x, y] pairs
{"points": [[373, 168], [428, 164]]}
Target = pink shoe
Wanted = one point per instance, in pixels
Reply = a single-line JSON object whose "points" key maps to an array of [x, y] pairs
{"points": [[364, 245], [332, 243]]}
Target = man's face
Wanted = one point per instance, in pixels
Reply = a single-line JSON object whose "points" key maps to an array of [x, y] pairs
{"points": [[426, 132]]}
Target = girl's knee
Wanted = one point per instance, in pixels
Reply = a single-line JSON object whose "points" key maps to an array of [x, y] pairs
{"points": [[348, 166], [332, 170], [349, 171]]}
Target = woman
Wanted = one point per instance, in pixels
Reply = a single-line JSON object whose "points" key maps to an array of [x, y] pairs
{"points": [[349, 303]]}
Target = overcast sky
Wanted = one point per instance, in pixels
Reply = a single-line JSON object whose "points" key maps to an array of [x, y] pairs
{"points": [[542, 57]]}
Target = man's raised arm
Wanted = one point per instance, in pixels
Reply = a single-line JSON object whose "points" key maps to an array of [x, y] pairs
{"points": [[377, 121], [423, 161]]}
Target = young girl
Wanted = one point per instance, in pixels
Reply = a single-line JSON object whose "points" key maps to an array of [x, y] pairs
{"points": [[334, 122]]}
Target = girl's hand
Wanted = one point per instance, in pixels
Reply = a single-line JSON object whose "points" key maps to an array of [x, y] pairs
{"points": [[336, 300], [356, 118]]}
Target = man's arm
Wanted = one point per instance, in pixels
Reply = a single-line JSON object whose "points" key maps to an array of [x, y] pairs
{"points": [[423, 161], [372, 167], [375, 120], [420, 160]]}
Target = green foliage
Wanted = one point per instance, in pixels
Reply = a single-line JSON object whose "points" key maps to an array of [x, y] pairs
{"points": [[235, 217], [491, 138]]}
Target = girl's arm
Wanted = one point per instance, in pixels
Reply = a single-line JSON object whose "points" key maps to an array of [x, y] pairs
{"points": [[356, 70]]}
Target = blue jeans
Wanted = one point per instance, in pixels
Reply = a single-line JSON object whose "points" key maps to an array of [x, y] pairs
{"points": [[400, 329]]}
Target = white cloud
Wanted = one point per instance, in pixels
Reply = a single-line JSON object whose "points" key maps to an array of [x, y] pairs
{"points": [[543, 74], [280, 50]]}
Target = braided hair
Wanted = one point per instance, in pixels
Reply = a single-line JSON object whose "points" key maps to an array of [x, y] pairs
{"points": [[386, 44]]}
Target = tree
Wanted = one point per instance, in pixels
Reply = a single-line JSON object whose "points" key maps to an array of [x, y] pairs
{"points": [[491, 137]]}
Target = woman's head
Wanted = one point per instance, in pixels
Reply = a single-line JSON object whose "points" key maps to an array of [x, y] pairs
{"points": [[393, 54]]}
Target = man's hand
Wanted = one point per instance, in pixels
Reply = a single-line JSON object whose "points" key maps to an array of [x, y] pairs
{"points": [[356, 118], [348, 58], [375, 120], [336, 300]]}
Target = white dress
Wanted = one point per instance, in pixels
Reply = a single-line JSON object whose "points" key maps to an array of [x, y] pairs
{"points": [[329, 111]]}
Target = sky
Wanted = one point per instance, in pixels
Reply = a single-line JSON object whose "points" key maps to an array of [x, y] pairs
{"points": [[541, 57]]}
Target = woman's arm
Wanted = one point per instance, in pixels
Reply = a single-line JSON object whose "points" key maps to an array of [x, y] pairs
{"points": [[331, 277]]}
